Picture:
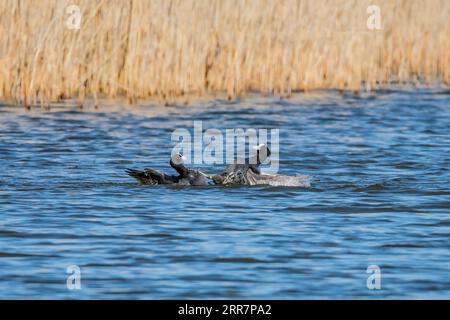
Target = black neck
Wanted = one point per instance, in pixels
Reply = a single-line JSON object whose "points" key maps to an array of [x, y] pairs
{"points": [[180, 168]]}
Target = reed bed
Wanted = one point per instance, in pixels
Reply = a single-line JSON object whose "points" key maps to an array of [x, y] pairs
{"points": [[170, 49]]}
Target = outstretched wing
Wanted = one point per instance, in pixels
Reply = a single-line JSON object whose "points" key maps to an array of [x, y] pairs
{"points": [[151, 176]]}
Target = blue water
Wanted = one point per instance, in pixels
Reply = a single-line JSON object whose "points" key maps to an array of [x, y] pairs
{"points": [[380, 196]]}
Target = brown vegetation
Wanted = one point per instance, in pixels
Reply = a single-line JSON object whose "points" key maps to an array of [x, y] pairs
{"points": [[174, 48]]}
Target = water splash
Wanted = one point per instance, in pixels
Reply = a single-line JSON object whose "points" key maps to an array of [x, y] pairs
{"points": [[284, 181]]}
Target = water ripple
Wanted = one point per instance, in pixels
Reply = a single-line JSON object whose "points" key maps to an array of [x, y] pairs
{"points": [[379, 195]]}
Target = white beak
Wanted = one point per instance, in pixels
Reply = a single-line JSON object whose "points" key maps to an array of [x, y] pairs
{"points": [[258, 147]]}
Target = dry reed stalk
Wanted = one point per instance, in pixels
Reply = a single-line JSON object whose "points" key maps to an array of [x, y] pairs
{"points": [[174, 48]]}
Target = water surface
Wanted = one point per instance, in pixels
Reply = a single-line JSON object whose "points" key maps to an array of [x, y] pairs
{"points": [[380, 196]]}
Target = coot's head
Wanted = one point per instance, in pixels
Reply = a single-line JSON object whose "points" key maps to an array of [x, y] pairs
{"points": [[262, 152], [178, 159]]}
